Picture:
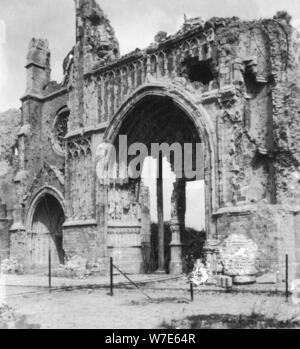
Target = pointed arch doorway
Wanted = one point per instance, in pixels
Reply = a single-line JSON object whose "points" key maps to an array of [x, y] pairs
{"points": [[47, 232]]}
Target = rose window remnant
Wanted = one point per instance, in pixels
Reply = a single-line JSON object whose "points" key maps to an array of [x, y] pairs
{"points": [[61, 129]]}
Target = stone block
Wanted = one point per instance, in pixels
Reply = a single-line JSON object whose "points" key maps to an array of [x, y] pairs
{"points": [[270, 278], [244, 280], [224, 281], [295, 290], [238, 254]]}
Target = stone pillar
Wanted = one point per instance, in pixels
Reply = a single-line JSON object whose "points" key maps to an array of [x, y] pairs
{"points": [[211, 250], [297, 244], [178, 204], [17, 236], [160, 216], [146, 225], [4, 237]]}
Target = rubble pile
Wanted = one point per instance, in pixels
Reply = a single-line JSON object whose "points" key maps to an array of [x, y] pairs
{"points": [[74, 267], [200, 274], [12, 266], [9, 319]]}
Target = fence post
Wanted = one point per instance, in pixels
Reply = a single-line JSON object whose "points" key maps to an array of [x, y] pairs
{"points": [[286, 278], [111, 277], [192, 291], [49, 270], [132, 282]]}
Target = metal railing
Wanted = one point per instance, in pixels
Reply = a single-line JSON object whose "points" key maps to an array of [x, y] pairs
{"points": [[112, 267]]}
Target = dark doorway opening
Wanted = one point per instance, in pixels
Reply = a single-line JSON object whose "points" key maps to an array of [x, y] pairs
{"points": [[46, 232]]}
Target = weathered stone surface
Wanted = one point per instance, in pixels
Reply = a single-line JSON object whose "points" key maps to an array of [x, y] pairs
{"points": [[9, 127], [244, 280], [238, 254], [232, 85], [267, 279], [224, 281], [295, 290]]}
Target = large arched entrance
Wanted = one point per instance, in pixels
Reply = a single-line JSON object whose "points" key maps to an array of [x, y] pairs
{"points": [[46, 231], [156, 118]]}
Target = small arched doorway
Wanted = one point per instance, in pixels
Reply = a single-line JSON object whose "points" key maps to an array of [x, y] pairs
{"points": [[46, 232]]}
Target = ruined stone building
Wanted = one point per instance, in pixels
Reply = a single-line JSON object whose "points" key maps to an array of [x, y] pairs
{"points": [[230, 84]]}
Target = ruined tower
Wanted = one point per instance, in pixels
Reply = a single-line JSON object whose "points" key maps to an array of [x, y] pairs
{"points": [[38, 67], [95, 46]]}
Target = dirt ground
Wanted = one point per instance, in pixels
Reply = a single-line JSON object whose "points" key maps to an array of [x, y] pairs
{"points": [[129, 309]]}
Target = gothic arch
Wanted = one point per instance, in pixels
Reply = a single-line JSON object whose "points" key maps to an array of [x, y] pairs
{"points": [[45, 228], [46, 190], [200, 119]]}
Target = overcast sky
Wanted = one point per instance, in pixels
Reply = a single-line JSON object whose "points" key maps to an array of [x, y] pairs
{"points": [[135, 21]]}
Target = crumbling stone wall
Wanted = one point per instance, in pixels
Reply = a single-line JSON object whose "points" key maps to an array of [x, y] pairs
{"points": [[9, 126], [38, 164], [285, 69], [276, 146], [4, 236], [266, 227]]}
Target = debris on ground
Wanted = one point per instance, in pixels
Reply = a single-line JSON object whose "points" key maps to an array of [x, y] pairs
{"points": [[226, 321], [9, 319], [200, 274], [12, 266], [75, 267]]}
